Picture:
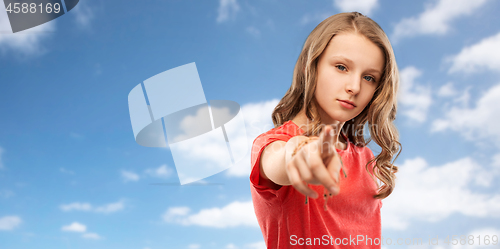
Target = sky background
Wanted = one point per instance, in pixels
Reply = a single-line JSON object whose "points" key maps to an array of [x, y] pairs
{"points": [[72, 175]]}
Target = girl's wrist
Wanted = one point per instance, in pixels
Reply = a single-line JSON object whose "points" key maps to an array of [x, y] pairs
{"points": [[301, 144]]}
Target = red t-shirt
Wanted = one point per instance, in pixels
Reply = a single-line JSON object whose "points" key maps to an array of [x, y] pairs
{"points": [[353, 216]]}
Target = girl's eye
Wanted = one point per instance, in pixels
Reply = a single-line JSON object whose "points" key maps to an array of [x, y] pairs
{"points": [[369, 78], [341, 68]]}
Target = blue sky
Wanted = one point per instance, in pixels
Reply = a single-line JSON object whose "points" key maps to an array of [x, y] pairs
{"points": [[72, 175]]}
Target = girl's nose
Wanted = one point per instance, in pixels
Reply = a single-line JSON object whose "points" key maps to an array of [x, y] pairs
{"points": [[354, 85]]}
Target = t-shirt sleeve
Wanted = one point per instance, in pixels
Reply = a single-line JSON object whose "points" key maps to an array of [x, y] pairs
{"points": [[258, 146]]}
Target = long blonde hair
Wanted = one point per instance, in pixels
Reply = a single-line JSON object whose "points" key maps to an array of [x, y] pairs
{"points": [[380, 111]]}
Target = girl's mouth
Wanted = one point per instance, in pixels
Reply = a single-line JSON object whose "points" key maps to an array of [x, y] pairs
{"points": [[346, 104]]}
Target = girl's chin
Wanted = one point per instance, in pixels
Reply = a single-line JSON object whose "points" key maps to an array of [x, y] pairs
{"points": [[338, 118], [335, 120]]}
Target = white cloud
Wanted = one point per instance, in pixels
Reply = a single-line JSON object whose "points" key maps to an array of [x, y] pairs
{"points": [[482, 55], [257, 245], [161, 172], [81, 228], [447, 90], [496, 160], [464, 97], [129, 176], [257, 118], [415, 99], [78, 206], [233, 215], [94, 236], [433, 193], [190, 124], [83, 14], [365, 7], [75, 227], [479, 238], [227, 10], [10, 222], [194, 246], [110, 208], [436, 18], [209, 151], [172, 213], [475, 124], [257, 121], [26, 42]]}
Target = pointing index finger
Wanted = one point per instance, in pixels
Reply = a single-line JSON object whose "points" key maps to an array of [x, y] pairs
{"points": [[326, 142]]}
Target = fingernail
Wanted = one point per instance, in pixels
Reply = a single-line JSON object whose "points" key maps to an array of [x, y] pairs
{"points": [[314, 195]]}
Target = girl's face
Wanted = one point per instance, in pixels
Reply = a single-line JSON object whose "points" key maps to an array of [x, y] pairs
{"points": [[349, 70]]}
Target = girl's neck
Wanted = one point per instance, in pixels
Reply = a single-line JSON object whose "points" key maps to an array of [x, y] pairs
{"points": [[301, 121]]}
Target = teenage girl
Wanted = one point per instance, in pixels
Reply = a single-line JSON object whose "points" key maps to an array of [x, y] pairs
{"points": [[313, 177]]}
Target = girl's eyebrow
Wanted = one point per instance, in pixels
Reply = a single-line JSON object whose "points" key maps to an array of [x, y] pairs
{"points": [[339, 57], [372, 70], [349, 61]]}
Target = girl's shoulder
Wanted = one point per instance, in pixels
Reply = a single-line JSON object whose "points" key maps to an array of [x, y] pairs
{"points": [[281, 133], [288, 129]]}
